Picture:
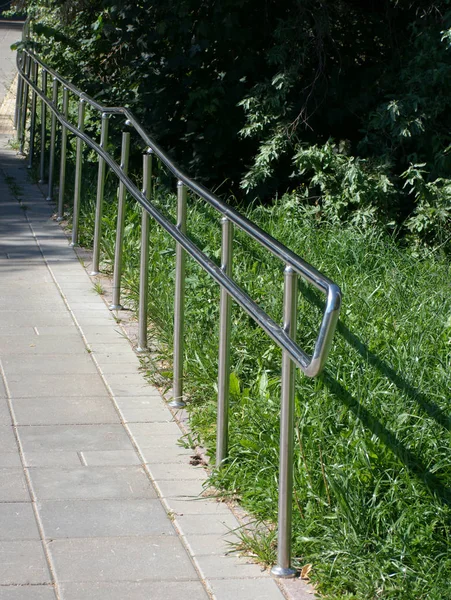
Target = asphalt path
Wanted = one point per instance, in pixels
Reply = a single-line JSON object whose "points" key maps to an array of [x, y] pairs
{"points": [[9, 34]]}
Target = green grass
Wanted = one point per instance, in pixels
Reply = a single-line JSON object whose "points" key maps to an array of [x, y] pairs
{"points": [[372, 459]]}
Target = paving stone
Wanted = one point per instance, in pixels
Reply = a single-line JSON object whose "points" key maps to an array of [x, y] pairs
{"points": [[41, 345], [107, 356], [164, 450], [129, 379], [178, 472], [23, 562], [214, 524], [191, 490], [44, 385], [7, 329], [110, 457], [79, 277], [53, 364], [124, 389], [32, 318], [151, 430], [55, 438], [93, 320], [145, 415], [9, 459], [103, 518], [17, 521], [91, 483], [228, 567], [245, 589], [60, 365], [85, 292], [64, 410], [158, 558], [5, 416], [55, 330], [110, 336], [152, 401], [7, 439], [27, 592], [198, 506], [81, 284], [154, 590], [119, 368], [220, 544], [52, 459], [86, 307], [166, 442]]}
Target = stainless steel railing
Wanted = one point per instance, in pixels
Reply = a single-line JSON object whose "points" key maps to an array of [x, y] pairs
{"points": [[34, 75]]}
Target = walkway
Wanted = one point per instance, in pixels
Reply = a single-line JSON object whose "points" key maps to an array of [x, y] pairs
{"points": [[97, 499]]}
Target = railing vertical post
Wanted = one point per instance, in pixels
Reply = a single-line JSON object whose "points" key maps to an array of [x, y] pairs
{"points": [[283, 567], [62, 184], [179, 304], [222, 430], [18, 110], [144, 263], [78, 165], [99, 200], [24, 107], [43, 126], [34, 78], [52, 139], [117, 273]]}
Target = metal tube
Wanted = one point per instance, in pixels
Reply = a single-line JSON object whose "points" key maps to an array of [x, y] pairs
{"points": [[52, 140], [310, 365], [62, 184], [179, 304], [117, 273], [222, 431], [144, 264], [283, 568], [23, 116], [43, 126], [34, 76], [78, 165], [18, 110], [99, 200]]}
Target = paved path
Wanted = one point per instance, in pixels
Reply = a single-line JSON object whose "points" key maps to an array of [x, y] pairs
{"points": [[90, 465], [97, 499], [9, 34]]}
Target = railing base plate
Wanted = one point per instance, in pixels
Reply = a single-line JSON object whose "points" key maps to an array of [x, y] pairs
{"points": [[284, 572], [177, 404]]}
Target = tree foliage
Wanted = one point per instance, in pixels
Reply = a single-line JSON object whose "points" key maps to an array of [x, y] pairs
{"points": [[238, 91]]}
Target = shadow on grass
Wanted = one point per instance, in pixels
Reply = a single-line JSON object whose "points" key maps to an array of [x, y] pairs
{"points": [[427, 405], [408, 458], [404, 455]]}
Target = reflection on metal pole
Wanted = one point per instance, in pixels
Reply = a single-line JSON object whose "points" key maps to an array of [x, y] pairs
{"points": [[179, 304], [222, 435], [283, 568]]}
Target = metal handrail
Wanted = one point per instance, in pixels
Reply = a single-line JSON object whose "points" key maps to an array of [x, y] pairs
{"points": [[29, 65]]}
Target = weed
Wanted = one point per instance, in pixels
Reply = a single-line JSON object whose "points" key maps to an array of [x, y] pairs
{"points": [[258, 540], [98, 289], [14, 144]]}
